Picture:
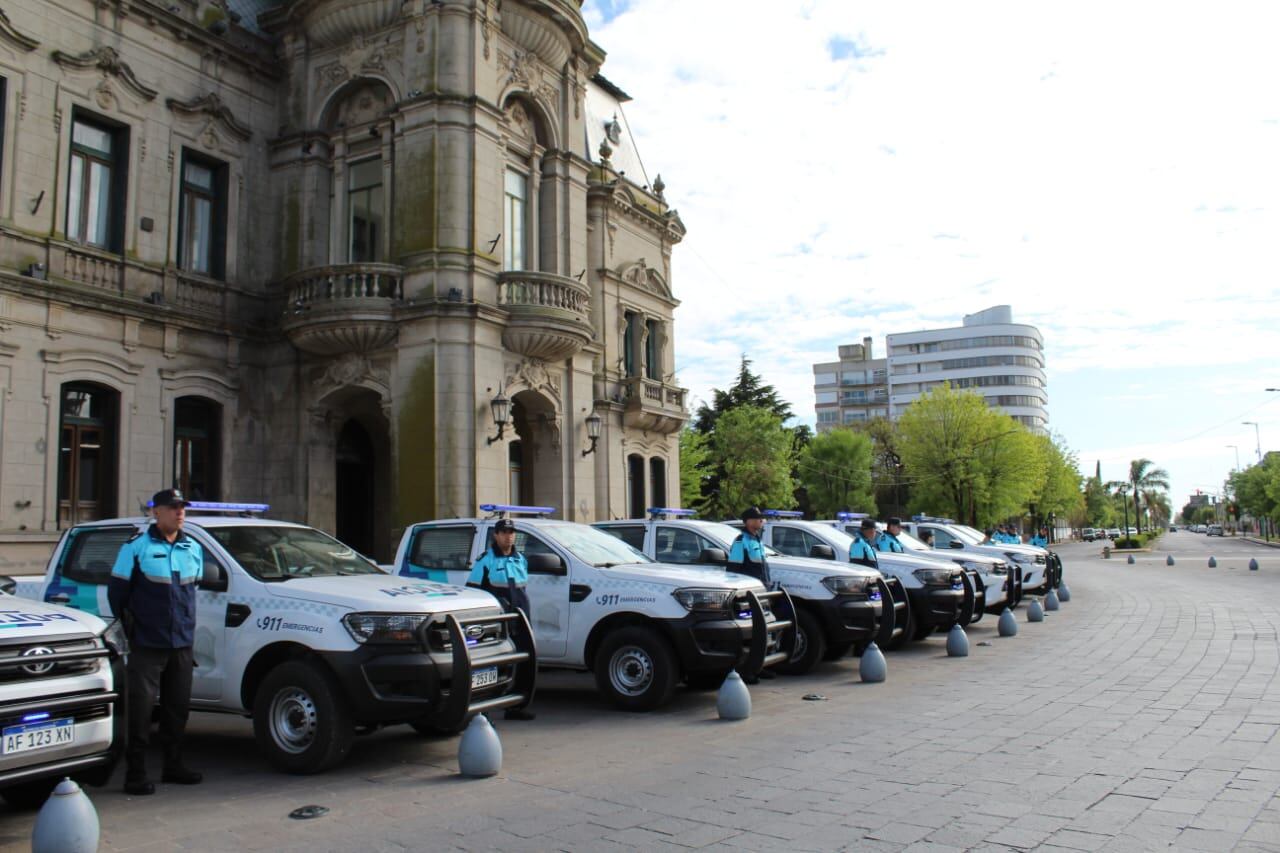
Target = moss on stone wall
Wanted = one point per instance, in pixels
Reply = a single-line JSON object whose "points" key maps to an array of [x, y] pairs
{"points": [[290, 260], [417, 432], [415, 214]]}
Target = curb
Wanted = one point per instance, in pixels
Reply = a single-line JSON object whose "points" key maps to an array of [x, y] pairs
{"points": [[1262, 542]]}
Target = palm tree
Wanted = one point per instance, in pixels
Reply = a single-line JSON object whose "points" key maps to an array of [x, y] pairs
{"points": [[1145, 477], [1158, 507]]}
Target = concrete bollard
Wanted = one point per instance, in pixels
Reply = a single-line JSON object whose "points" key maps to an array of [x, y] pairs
{"points": [[1213, 564], [871, 666], [1064, 594], [1168, 561], [67, 822], [1253, 565], [1008, 625], [957, 642], [1131, 561], [479, 751], [1051, 600], [734, 700], [1035, 613]]}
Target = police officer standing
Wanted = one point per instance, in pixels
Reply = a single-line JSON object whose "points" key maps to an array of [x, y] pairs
{"points": [[1041, 539], [888, 540], [503, 572], [153, 590], [746, 554], [863, 551]]}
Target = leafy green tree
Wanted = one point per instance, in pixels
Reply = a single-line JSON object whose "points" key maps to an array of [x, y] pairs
{"points": [[1098, 509], [889, 477], [968, 460], [749, 390], [753, 450], [695, 458], [1059, 492], [1145, 477], [835, 470]]}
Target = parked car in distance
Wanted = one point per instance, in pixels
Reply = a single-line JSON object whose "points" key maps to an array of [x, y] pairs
{"points": [[1214, 530], [1089, 534]]}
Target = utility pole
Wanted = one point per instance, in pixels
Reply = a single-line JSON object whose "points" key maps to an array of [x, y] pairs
{"points": [[1257, 436]]}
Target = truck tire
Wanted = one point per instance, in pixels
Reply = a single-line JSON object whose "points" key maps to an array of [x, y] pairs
{"points": [[29, 795], [430, 729], [837, 651], [636, 668], [908, 629], [301, 719], [811, 645]]}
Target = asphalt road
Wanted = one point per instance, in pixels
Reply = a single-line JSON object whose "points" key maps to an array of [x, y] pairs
{"points": [[1143, 715]]}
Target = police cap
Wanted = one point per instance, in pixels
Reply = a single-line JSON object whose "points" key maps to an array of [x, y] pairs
{"points": [[169, 497], [504, 525], [752, 512]]}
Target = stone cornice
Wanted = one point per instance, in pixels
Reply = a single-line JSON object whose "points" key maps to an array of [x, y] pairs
{"points": [[10, 35], [212, 106], [107, 60]]}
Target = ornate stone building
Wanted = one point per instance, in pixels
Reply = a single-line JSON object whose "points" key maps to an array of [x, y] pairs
{"points": [[302, 251]]}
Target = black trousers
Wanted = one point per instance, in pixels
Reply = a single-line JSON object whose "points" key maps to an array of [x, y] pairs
{"points": [[515, 596], [162, 675]]}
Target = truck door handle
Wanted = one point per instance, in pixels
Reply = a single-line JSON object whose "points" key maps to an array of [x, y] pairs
{"points": [[60, 598], [236, 614], [578, 592]]}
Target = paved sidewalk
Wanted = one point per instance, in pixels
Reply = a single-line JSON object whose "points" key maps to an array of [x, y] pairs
{"points": [[1142, 716]]}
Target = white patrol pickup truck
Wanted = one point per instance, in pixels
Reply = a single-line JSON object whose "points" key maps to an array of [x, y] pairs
{"points": [[938, 595], [314, 641], [1001, 576], [1039, 569], [837, 607], [602, 606], [61, 697]]}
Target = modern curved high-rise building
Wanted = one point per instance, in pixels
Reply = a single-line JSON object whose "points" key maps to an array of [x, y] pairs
{"points": [[989, 353]]}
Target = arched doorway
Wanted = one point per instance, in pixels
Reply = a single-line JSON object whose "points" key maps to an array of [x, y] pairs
{"points": [[538, 460], [355, 465]]}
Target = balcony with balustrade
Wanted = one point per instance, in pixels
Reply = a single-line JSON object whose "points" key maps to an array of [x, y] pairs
{"points": [[342, 308], [549, 315], [654, 406]]}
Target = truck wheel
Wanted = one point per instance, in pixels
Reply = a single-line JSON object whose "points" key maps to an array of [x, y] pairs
{"points": [[922, 631], [811, 645], [636, 668], [837, 651], [301, 720], [908, 629]]}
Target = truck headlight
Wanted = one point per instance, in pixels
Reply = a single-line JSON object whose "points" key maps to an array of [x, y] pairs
{"points": [[384, 627], [1023, 559], [999, 569], [693, 598], [848, 585], [115, 639], [938, 577]]}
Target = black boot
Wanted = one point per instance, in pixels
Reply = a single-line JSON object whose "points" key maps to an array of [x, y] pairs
{"points": [[137, 783], [176, 773]]}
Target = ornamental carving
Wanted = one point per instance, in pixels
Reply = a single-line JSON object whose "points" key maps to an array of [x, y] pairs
{"points": [[532, 373], [12, 37], [643, 276], [107, 60], [212, 106], [349, 370]]}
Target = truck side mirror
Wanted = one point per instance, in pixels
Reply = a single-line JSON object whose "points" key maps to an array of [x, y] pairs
{"points": [[213, 578], [822, 552], [955, 543], [713, 556], [8, 585], [546, 564]]}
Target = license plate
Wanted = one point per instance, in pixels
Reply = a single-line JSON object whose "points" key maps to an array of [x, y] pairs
{"points": [[484, 677], [38, 736]]}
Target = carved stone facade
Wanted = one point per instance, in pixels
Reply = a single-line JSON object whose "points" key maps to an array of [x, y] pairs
{"points": [[292, 254]]}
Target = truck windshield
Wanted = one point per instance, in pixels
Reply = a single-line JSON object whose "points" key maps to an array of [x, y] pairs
{"points": [[911, 543], [593, 546], [282, 553], [837, 539], [968, 534]]}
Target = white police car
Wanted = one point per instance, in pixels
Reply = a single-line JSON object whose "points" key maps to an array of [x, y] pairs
{"points": [[314, 641], [61, 697], [1001, 577], [837, 607], [1040, 570], [938, 595], [600, 605]]}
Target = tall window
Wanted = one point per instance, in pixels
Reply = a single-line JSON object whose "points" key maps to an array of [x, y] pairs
{"points": [[86, 453], [515, 226], [95, 190], [652, 367], [629, 343], [635, 486], [202, 216], [364, 203], [196, 447], [658, 481], [515, 467]]}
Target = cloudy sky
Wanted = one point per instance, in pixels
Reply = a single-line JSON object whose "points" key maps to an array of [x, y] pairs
{"points": [[848, 168]]}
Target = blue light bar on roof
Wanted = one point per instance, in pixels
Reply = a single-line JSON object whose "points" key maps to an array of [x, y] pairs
{"points": [[665, 510], [783, 513], [523, 510], [850, 516], [219, 506], [933, 519]]}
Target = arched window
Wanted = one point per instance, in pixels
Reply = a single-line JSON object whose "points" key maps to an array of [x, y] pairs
{"points": [[523, 189], [360, 144], [197, 447], [635, 486], [658, 481], [86, 453]]}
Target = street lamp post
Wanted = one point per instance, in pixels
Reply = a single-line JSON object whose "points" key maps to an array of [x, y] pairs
{"points": [[1237, 450], [1257, 436], [1124, 500]]}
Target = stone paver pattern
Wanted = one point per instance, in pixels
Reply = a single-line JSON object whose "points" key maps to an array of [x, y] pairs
{"points": [[1142, 716]]}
